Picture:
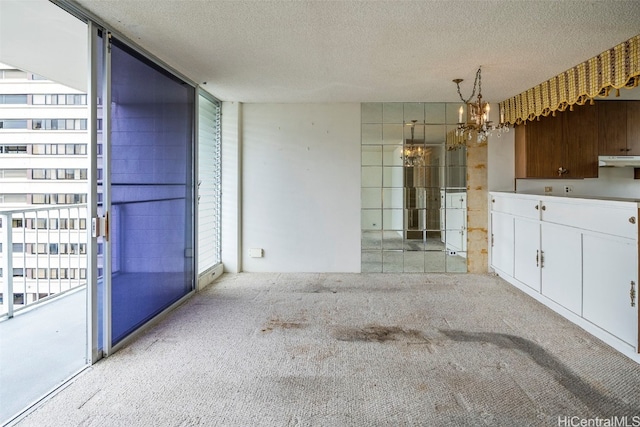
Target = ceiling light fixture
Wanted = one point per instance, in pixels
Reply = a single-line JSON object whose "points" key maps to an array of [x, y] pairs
{"points": [[478, 114]]}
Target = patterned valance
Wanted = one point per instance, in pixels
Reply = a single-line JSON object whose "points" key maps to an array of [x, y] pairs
{"points": [[615, 68]]}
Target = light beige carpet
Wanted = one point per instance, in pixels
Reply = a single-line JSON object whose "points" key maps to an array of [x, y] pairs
{"points": [[353, 350]]}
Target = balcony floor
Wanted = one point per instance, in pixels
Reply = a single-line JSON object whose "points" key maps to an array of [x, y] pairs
{"points": [[353, 349], [40, 348]]}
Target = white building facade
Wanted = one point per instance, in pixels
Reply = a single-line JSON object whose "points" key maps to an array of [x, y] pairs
{"points": [[43, 186]]}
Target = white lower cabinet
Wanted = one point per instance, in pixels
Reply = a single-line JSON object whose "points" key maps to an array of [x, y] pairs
{"points": [[561, 265], [526, 251], [578, 256], [610, 267], [502, 242]]}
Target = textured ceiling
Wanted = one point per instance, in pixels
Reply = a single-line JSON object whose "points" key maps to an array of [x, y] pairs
{"points": [[364, 51]]}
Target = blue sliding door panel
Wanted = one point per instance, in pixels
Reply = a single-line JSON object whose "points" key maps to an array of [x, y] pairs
{"points": [[151, 190]]}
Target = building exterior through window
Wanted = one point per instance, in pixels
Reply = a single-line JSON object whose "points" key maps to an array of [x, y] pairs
{"points": [[43, 173]]}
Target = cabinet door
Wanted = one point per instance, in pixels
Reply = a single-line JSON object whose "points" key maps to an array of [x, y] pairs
{"points": [[580, 136], [612, 128], [561, 265], [610, 265], [633, 128], [543, 149], [502, 242], [567, 143], [526, 251]]}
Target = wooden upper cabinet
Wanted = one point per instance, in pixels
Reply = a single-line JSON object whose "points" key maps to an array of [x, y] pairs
{"points": [[580, 134], [544, 148], [633, 128], [619, 128], [564, 146], [612, 128], [538, 148]]}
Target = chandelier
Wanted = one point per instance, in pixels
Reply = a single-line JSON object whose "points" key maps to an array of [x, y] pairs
{"points": [[412, 155], [478, 114]]}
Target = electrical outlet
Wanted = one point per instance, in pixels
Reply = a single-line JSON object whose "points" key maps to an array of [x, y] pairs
{"points": [[568, 189], [548, 189], [256, 252], [453, 253]]}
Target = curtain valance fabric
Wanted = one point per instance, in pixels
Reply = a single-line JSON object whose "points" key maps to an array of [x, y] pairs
{"points": [[616, 68]]}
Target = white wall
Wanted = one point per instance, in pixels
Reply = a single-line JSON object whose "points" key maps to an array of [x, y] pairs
{"points": [[231, 186], [301, 187], [611, 182], [501, 158]]}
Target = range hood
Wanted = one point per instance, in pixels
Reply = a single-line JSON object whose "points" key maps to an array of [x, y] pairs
{"points": [[619, 161]]}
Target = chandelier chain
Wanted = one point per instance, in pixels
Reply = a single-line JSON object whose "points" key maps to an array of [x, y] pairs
{"points": [[477, 82]]}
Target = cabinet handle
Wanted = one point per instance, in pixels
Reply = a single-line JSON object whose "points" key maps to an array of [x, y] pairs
{"points": [[544, 208], [632, 293], [538, 258], [537, 207], [492, 200], [632, 220], [541, 259]]}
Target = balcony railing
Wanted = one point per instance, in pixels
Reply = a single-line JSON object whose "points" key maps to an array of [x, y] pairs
{"points": [[43, 254]]}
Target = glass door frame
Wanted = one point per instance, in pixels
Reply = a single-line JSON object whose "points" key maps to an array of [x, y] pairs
{"points": [[94, 350], [99, 331], [98, 44]]}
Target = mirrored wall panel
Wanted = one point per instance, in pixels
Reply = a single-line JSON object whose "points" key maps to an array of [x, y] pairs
{"points": [[413, 197]]}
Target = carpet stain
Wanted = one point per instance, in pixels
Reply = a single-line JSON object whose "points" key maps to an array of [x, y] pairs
{"points": [[377, 333], [422, 387], [277, 323], [323, 355], [300, 350]]}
